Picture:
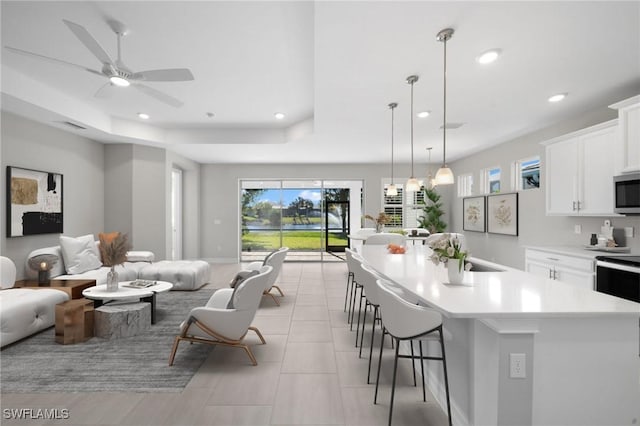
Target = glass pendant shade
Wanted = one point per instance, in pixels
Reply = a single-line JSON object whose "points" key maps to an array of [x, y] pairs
{"points": [[412, 185], [392, 191], [444, 176]]}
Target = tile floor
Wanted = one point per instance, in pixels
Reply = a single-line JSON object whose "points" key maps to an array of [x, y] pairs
{"points": [[309, 372]]}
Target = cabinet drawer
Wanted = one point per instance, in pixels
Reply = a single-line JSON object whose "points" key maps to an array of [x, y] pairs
{"points": [[565, 261]]}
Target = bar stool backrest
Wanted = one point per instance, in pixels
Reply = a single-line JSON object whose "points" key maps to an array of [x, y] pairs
{"points": [[386, 238], [368, 279], [402, 319]]}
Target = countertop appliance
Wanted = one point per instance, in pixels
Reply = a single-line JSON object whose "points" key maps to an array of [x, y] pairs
{"points": [[619, 276], [626, 190]]}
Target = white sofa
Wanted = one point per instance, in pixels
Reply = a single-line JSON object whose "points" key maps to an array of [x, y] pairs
{"points": [[24, 311]]}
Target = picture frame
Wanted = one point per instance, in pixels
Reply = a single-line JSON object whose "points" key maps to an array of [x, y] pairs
{"points": [[34, 201], [502, 214], [474, 214]]}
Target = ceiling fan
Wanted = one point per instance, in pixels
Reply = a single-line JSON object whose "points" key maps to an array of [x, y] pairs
{"points": [[116, 71]]}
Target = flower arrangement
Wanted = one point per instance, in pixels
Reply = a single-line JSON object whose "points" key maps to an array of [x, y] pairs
{"points": [[114, 250], [447, 247], [380, 221]]}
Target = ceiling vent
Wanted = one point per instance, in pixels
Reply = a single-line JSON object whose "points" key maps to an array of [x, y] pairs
{"points": [[74, 125]]}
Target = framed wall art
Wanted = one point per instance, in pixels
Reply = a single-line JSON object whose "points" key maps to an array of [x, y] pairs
{"points": [[502, 214], [34, 202], [473, 209]]}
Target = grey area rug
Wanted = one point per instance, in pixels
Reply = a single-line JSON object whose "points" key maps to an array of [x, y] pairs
{"points": [[132, 364]]}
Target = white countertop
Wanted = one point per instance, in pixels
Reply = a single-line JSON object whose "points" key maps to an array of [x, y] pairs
{"points": [[509, 294], [577, 251]]}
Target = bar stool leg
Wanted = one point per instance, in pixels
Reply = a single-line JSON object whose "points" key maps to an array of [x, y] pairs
{"points": [[364, 321], [375, 395], [359, 312], [413, 363], [446, 378], [393, 385], [424, 391], [373, 329], [346, 293]]}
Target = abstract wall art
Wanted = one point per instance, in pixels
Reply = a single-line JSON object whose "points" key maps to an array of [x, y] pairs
{"points": [[34, 202]]}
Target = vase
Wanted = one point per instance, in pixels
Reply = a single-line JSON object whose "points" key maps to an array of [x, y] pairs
{"points": [[112, 279], [454, 271], [379, 227]]}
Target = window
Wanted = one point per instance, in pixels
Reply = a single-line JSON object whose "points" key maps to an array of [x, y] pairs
{"points": [[404, 208], [465, 185], [491, 180], [526, 173]]}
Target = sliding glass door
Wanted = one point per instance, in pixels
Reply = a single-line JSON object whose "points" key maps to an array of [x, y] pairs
{"points": [[311, 217]]}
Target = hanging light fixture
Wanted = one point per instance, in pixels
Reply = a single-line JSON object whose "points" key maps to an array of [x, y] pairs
{"points": [[392, 191], [444, 175], [431, 182], [412, 183]]}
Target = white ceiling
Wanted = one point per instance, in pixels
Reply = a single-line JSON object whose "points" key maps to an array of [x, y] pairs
{"points": [[331, 66]]}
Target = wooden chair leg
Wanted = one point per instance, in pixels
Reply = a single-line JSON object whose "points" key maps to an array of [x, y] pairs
{"points": [[279, 290], [248, 351], [173, 350], [264, 342], [273, 297]]}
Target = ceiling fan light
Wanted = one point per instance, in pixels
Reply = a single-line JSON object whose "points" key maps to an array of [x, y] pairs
{"points": [[119, 81], [392, 191], [413, 185], [444, 176]]}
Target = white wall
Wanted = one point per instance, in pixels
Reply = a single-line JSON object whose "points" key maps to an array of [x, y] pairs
{"points": [[535, 228], [80, 160]]}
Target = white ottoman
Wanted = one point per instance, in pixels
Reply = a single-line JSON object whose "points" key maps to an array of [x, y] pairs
{"points": [[183, 274]]}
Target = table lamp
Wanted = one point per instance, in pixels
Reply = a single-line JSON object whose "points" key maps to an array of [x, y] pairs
{"points": [[43, 263]]}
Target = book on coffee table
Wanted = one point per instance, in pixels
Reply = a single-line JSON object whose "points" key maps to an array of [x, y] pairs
{"points": [[140, 284]]}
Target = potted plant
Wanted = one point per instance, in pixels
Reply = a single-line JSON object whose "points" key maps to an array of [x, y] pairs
{"points": [[379, 221], [432, 212], [448, 250], [113, 249]]}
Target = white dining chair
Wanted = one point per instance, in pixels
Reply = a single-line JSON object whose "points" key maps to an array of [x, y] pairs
{"points": [[384, 238]]}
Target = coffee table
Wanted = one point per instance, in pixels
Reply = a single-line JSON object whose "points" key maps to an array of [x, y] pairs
{"points": [[73, 288], [100, 295]]}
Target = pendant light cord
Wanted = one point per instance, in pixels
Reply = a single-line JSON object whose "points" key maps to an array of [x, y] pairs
{"points": [[392, 106], [444, 123], [412, 82]]}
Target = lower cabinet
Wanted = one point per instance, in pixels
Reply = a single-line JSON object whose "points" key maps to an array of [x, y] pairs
{"points": [[569, 269]]}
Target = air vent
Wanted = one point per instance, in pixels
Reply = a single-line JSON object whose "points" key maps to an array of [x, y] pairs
{"points": [[74, 125], [453, 125]]}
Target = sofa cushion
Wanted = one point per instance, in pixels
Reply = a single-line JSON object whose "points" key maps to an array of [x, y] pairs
{"points": [[80, 254]]}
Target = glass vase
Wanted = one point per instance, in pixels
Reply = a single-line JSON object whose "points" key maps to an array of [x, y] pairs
{"points": [[455, 271], [112, 279], [379, 227]]}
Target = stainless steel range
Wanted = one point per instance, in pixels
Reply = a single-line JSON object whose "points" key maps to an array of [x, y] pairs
{"points": [[619, 276]]}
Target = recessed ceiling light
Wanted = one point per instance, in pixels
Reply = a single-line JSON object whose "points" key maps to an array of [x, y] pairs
{"points": [[143, 115], [423, 114], [557, 97], [488, 56], [119, 81], [279, 115]]}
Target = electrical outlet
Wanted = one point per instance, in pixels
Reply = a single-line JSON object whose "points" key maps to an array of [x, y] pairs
{"points": [[628, 231], [577, 229], [517, 367]]}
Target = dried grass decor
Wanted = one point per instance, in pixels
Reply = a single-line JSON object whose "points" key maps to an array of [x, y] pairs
{"points": [[114, 250]]}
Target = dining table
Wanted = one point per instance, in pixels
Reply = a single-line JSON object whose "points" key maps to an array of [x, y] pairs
{"points": [[575, 342]]}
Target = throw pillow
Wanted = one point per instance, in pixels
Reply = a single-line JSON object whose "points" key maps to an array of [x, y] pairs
{"points": [[80, 254], [241, 277]]}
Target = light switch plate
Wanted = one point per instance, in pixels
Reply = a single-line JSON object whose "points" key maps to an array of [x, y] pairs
{"points": [[628, 231], [577, 229]]}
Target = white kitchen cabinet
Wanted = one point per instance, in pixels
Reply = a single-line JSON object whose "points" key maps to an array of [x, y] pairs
{"points": [[569, 269], [629, 130], [579, 170]]}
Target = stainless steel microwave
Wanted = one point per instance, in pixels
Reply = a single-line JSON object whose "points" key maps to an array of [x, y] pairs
{"points": [[626, 190]]}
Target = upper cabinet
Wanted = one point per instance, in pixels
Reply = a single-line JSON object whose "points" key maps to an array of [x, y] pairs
{"points": [[629, 129], [579, 171]]}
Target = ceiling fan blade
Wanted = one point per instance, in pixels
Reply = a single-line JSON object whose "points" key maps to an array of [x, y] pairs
{"points": [[54, 60], [90, 42], [106, 91], [175, 74], [162, 97]]}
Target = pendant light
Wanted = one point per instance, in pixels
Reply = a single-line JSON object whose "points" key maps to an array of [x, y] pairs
{"points": [[431, 182], [444, 175], [412, 184], [392, 191]]}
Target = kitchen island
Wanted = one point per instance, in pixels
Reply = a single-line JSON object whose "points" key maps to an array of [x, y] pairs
{"points": [[581, 348]]}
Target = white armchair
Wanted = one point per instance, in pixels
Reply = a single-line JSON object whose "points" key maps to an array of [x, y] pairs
{"points": [[227, 316], [275, 260]]}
